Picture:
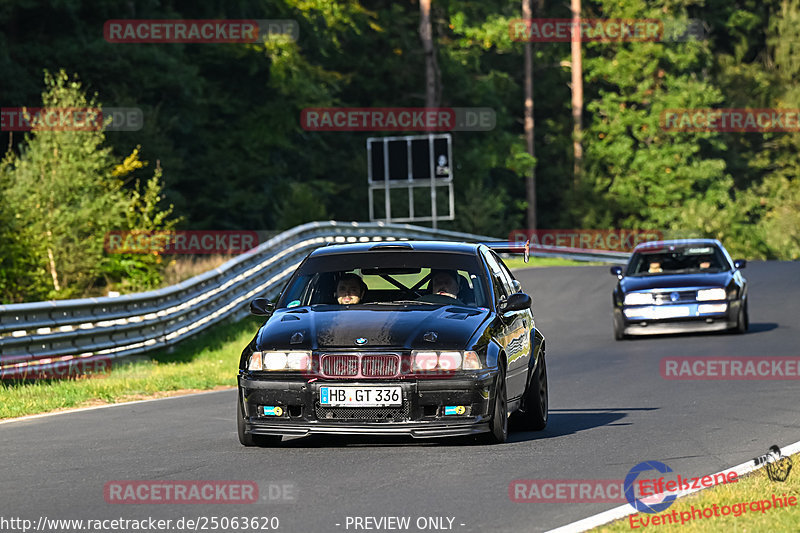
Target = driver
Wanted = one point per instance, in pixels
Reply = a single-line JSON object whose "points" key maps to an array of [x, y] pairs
{"points": [[350, 289], [445, 283], [444, 288]]}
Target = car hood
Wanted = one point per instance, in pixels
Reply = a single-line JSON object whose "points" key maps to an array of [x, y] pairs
{"points": [[409, 327], [674, 281]]}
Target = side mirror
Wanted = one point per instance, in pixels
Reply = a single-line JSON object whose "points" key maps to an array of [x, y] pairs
{"points": [[616, 271], [739, 264], [261, 307], [516, 302]]}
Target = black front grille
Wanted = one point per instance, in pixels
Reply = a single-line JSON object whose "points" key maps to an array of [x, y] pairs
{"points": [[379, 365], [340, 365], [390, 414]]}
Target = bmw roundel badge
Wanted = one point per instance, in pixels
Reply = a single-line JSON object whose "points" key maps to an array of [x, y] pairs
{"points": [[674, 296], [361, 340]]}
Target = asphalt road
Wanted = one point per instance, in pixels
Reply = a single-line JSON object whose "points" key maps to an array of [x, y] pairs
{"points": [[610, 409]]}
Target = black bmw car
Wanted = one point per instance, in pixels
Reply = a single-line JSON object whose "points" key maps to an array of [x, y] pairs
{"points": [[427, 339], [680, 286]]}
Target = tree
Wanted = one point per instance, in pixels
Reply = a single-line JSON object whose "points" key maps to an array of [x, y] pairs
{"points": [[66, 193]]}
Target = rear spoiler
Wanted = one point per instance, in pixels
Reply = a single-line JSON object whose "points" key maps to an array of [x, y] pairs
{"points": [[507, 248]]}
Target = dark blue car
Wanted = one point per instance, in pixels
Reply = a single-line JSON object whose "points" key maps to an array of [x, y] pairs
{"points": [[675, 286]]}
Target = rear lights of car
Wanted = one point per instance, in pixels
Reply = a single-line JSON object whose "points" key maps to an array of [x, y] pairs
{"points": [[638, 298], [704, 295], [277, 361], [425, 360]]}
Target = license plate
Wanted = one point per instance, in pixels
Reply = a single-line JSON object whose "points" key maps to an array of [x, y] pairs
{"points": [[360, 396], [670, 311]]}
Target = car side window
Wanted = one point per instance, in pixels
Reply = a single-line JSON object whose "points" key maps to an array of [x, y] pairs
{"points": [[502, 288], [509, 277]]}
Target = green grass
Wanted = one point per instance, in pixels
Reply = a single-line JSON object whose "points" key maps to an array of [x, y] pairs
{"points": [[754, 487], [208, 361], [518, 262]]}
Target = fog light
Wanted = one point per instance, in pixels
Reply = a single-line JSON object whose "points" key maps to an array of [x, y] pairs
{"points": [[712, 308]]}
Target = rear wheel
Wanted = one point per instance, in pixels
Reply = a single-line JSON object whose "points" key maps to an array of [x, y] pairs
{"points": [[535, 413], [498, 431], [248, 439]]}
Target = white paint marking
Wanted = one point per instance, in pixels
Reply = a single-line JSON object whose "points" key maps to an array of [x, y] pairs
{"points": [[624, 510]]}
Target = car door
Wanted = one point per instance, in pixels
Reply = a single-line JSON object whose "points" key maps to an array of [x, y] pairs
{"points": [[515, 338]]}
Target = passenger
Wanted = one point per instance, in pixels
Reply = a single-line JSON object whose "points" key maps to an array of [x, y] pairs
{"points": [[655, 267], [350, 289]]}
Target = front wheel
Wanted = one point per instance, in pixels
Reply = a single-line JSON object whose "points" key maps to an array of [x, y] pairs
{"points": [[248, 439], [742, 319], [619, 328], [498, 432], [535, 405]]}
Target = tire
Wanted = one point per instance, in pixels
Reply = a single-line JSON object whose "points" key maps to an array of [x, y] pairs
{"points": [[536, 404], [248, 439], [619, 329], [498, 427], [742, 319]]}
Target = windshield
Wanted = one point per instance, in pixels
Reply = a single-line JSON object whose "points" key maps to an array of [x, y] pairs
{"points": [[677, 260], [379, 279]]}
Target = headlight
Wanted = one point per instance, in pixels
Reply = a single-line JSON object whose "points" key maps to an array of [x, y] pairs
{"points": [[638, 298], [277, 361], [450, 360], [710, 294], [426, 360]]}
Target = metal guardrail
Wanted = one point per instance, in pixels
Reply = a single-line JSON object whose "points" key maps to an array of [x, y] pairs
{"points": [[46, 335]]}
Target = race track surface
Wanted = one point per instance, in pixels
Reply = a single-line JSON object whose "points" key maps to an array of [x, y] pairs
{"points": [[610, 409]]}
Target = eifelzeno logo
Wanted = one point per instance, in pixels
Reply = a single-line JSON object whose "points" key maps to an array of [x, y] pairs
{"points": [[630, 481]]}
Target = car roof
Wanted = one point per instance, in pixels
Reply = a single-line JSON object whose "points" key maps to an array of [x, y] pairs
{"points": [[405, 246], [645, 246]]}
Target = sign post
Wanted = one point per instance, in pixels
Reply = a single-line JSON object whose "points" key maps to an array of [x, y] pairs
{"points": [[410, 162]]}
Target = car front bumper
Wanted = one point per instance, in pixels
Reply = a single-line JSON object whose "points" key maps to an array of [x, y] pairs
{"points": [[688, 317], [421, 415]]}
